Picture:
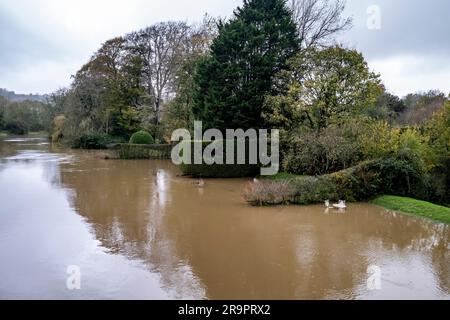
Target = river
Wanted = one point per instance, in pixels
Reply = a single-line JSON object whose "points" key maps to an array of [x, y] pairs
{"points": [[138, 230]]}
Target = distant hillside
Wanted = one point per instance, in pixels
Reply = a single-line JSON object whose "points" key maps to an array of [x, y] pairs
{"points": [[12, 96]]}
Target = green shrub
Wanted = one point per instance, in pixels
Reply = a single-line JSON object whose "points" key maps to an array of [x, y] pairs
{"points": [[217, 170], [91, 141], [309, 190], [142, 137], [313, 154], [356, 184]]}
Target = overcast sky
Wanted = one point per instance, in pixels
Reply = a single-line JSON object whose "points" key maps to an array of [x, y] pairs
{"points": [[44, 42]]}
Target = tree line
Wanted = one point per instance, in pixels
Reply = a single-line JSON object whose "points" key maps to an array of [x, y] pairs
{"points": [[22, 117], [154, 79], [273, 64]]}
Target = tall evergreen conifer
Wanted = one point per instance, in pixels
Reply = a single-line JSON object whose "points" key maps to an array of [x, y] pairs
{"points": [[250, 49]]}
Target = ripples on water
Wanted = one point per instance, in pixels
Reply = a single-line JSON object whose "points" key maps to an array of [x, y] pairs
{"points": [[138, 230]]}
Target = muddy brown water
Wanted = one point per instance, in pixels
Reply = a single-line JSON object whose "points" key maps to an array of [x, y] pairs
{"points": [[136, 230]]}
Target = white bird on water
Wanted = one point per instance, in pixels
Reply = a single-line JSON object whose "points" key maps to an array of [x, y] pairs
{"points": [[340, 205], [200, 183]]}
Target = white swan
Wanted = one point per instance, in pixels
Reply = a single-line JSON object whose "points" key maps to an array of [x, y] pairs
{"points": [[340, 205]]}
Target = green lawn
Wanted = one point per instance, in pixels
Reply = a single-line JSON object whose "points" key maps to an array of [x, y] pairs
{"points": [[414, 207], [3, 134]]}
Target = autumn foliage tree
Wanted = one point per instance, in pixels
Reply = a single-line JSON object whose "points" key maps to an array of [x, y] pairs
{"points": [[323, 86]]}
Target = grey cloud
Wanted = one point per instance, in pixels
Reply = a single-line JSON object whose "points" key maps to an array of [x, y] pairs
{"points": [[408, 27], [24, 43]]}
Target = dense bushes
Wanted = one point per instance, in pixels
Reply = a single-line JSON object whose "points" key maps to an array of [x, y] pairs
{"points": [[359, 183], [141, 137], [316, 154], [269, 192], [216, 170]]}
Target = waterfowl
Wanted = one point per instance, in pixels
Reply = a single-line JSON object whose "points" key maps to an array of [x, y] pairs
{"points": [[200, 183], [340, 205]]}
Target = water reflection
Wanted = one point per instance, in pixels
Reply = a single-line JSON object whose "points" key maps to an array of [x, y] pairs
{"points": [[142, 231]]}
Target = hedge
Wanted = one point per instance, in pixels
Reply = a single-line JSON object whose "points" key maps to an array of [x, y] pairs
{"points": [[217, 170], [142, 151], [142, 137]]}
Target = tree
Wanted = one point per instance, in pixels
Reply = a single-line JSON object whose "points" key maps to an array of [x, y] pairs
{"points": [[319, 20], [438, 130], [323, 86], [25, 116], [3, 103], [387, 107], [248, 52], [106, 92], [161, 48], [178, 112], [420, 107]]}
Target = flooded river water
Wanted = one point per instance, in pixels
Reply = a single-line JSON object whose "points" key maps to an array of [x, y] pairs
{"points": [[137, 230]]}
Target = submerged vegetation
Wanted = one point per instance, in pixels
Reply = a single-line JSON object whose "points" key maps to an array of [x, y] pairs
{"points": [[414, 207]]}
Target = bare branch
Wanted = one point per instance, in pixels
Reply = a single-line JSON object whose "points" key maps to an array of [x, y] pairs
{"points": [[319, 20]]}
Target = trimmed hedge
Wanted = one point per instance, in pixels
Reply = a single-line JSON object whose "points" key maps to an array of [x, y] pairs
{"points": [[217, 170], [141, 151], [142, 137]]}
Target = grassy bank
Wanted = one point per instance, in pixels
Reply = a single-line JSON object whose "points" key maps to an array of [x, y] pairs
{"points": [[414, 207]]}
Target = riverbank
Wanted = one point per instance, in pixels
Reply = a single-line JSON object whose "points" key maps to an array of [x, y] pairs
{"points": [[414, 207], [4, 134]]}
